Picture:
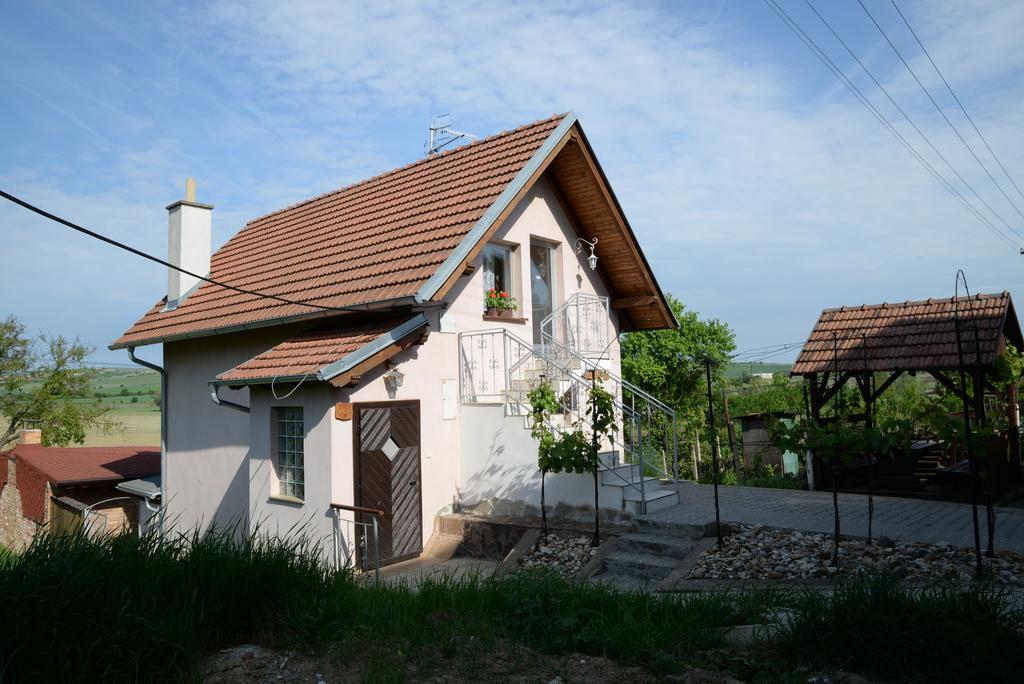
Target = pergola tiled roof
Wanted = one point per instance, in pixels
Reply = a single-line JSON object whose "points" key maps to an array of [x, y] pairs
{"points": [[910, 336]]}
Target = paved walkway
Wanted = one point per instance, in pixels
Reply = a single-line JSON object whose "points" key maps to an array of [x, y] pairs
{"points": [[909, 519]]}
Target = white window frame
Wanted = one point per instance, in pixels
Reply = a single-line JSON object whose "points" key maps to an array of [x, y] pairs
{"points": [[510, 268]]}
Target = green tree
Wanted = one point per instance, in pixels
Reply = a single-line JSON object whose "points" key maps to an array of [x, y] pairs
{"points": [[669, 364], [45, 383]]}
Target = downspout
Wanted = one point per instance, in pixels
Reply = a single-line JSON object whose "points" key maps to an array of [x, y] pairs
{"points": [[163, 427], [214, 388]]}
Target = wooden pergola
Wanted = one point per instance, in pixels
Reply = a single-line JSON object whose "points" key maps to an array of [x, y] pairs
{"points": [[859, 343]]}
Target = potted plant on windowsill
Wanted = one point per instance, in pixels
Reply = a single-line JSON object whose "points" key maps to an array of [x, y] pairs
{"points": [[498, 303]]}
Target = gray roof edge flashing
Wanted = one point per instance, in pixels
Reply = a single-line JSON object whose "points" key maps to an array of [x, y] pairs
{"points": [[480, 228], [352, 360], [270, 322]]}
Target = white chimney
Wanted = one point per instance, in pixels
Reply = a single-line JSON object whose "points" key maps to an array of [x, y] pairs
{"points": [[188, 245]]}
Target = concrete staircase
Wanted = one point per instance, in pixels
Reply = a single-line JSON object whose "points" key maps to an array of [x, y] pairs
{"points": [[643, 560]]}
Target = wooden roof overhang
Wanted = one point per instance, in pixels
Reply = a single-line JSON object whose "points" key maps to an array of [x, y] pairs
{"points": [[912, 336], [587, 199]]}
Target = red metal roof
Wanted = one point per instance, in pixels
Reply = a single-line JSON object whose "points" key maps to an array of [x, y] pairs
{"points": [[908, 336], [37, 465], [306, 354], [374, 241]]}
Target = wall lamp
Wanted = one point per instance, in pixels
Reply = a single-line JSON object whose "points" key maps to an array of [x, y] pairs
{"points": [[592, 259], [393, 377]]}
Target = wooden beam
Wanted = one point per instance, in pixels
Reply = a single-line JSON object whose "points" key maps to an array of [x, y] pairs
{"points": [[836, 386], [885, 385], [948, 383], [352, 377], [631, 302]]}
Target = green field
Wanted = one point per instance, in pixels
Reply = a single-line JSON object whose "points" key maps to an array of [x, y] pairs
{"points": [[736, 370], [130, 395]]}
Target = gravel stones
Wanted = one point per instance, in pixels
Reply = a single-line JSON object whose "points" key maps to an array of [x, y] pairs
{"points": [[565, 555], [764, 553]]}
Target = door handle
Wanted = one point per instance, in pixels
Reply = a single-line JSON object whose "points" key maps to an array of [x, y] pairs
{"points": [[412, 483]]}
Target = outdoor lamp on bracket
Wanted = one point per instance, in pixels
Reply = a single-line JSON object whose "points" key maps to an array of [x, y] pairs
{"points": [[592, 259], [393, 377]]}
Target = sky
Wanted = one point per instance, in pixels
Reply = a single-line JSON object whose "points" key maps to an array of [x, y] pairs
{"points": [[759, 188]]}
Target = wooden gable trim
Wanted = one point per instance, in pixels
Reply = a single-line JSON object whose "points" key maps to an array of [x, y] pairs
{"points": [[352, 376], [620, 219]]}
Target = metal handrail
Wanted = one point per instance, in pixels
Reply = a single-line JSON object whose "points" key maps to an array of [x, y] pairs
{"points": [[561, 315], [375, 515]]}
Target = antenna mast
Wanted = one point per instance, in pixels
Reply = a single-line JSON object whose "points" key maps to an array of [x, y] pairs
{"points": [[442, 135]]}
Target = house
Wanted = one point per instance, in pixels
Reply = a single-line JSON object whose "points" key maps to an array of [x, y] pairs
{"points": [[70, 488], [370, 373]]}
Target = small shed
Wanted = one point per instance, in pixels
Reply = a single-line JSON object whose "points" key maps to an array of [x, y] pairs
{"points": [[756, 440], [883, 341], [66, 488]]}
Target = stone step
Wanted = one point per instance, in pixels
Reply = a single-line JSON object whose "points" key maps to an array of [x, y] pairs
{"points": [[657, 544], [624, 582], [671, 529], [655, 499], [640, 565], [615, 476]]}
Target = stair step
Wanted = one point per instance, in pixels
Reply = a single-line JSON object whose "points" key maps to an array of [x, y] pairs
{"points": [[619, 475], [657, 544], [623, 582], [656, 500], [639, 565]]}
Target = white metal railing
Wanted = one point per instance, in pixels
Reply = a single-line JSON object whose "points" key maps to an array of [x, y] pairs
{"points": [[498, 367], [582, 323], [352, 549]]}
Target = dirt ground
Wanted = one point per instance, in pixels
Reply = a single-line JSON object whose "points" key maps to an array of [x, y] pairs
{"points": [[251, 664]]}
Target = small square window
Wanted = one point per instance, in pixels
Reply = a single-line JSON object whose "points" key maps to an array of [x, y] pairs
{"points": [[390, 449]]}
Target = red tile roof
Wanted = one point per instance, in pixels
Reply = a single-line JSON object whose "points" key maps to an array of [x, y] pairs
{"points": [[908, 336], [37, 465], [306, 354], [374, 241]]}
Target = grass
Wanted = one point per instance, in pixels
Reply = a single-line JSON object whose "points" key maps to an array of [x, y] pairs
{"points": [[126, 608], [876, 626]]}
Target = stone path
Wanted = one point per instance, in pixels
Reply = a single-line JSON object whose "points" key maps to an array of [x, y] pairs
{"points": [[909, 519]]}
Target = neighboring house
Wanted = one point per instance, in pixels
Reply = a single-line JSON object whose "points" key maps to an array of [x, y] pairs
{"points": [[66, 488], [401, 393]]}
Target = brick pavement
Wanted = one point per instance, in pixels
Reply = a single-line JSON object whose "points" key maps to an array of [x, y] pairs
{"points": [[909, 519]]}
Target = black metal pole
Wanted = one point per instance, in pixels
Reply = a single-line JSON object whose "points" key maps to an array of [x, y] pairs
{"points": [[835, 456], [869, 400], [714, 451], [593, 430]]}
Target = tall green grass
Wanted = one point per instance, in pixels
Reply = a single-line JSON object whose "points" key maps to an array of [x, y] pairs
{"points": [[129, 608], [876, 626]]}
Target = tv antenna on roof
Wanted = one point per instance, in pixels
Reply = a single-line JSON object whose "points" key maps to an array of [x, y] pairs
{"points": [[442, 135]]}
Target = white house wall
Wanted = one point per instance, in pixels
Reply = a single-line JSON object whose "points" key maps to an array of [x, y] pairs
{"points": [[498, 456], [207, 445]]}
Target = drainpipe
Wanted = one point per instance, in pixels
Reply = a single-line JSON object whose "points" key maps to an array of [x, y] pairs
{"points": [[163, 427], [214, 388]]}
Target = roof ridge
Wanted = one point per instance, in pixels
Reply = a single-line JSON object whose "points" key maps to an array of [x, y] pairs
{"points": [[917, 302], [418, 162]]}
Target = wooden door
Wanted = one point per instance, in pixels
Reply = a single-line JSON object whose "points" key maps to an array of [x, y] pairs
{"points": [[387, 475]]}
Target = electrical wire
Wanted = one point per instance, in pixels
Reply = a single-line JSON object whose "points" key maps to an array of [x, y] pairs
{"points": [[940, 111], [793, 26], [957, 99], [150, 257], [911, 121]]}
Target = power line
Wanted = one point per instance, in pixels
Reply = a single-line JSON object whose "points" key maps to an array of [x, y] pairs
{"points": [[856, 92], [957, 99], [909, 120], [940, 110], [144, 255]]}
